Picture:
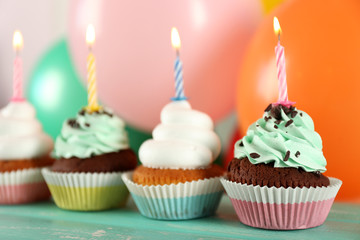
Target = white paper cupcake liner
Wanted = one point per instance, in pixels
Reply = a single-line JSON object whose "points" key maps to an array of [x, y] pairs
{"points": [[86, 191], [23, 186], [176, 201], [31, 175], [281, 208]]}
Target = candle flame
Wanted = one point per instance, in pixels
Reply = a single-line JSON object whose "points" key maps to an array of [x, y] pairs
{"points": [[18, 41], [277, 28], [175, 38], [90, 35]]}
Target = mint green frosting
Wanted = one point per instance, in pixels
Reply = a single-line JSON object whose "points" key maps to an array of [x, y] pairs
{"points": [[272, 143], [91, 134]]}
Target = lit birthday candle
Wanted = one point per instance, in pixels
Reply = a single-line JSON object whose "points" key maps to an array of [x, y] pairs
{"points": [[18, 76], [179, 86], [91, 72], [281, 68]]}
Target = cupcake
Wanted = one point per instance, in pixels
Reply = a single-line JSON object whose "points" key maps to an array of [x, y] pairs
{"points": [[177, 179], [276, 180], [24, 150], [92, 151]]}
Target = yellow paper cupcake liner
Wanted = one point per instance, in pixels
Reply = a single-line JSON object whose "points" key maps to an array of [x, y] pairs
{"points": [[86, 191], [89, 199]]}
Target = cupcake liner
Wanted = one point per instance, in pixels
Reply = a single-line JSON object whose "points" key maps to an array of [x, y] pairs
{"points": [[281, 208], [176, 201], [23, 186], [86, 191]]}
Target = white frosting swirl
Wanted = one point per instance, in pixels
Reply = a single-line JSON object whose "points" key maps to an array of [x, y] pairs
{"points": [[21, 134], [184, 139]]}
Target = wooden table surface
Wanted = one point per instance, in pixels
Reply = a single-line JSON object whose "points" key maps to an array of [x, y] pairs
{"points": [[46, 221]]}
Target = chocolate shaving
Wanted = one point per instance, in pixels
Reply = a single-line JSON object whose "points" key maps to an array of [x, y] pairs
{"points": [[268, 107], [286, 109], [257, 125], [87, 124], [73, 123], [297, 154], [300, 114], [287, 155], [276, 112], [82, 112], [275, 126], [278, 122], [107, 113], [254, 155], [293, 114], [289, 122], [241, 144], [267, 118]]}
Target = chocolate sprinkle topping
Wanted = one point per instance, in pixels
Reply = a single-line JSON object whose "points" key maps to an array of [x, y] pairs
{"points": [[257, 125], [300, 114], [276, 112], [254, 155], [287, 155], [297, 154], [268, 108], [275, 126], [73, 123], [289, 122], [107, 113], [286, 109], [278, 122], [267, 118], [82, 112], [87, 124], [241, 144], [293, 114]]}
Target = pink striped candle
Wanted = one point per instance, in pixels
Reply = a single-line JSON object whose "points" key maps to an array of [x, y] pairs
{"points": [[17, 76], [281, 68]]}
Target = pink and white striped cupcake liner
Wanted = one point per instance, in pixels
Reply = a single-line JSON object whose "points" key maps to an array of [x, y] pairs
{"points": [[281, 208], [23, 186]]}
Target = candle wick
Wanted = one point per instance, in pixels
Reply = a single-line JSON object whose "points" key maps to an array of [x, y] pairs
{"points": [[279, 37], [177, 53]]}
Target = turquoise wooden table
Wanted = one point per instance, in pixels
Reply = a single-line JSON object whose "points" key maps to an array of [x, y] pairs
{"points": [[46, 221]]}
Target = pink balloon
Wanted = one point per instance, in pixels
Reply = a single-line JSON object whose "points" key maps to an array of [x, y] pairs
{"points": [[135, 58]]}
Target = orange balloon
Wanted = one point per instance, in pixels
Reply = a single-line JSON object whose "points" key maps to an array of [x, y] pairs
{"points": [[322, 51]]}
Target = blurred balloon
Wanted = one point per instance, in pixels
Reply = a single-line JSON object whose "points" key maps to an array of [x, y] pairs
{"points": [[135, 58], [229, 154], [269, 5], [322, 49], [54, 89], [136, 137]]}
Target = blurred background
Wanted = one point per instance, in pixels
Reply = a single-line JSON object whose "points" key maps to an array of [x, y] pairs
{"points": [[228, 61]]}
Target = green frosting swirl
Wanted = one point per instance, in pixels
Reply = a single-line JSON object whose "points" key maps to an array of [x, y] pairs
{"points": [[91, 134], [287, 144]]}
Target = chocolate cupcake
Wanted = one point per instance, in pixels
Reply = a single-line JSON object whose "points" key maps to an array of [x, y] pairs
{"points": [[280, 162], [92, 151]]}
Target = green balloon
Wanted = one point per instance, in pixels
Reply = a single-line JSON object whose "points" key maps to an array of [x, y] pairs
{"points": [[54, 88], [136, 138]]}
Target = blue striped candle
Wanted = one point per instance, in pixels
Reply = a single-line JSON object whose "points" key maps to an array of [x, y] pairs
{"points": [[178, 72], [179, 86]]}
